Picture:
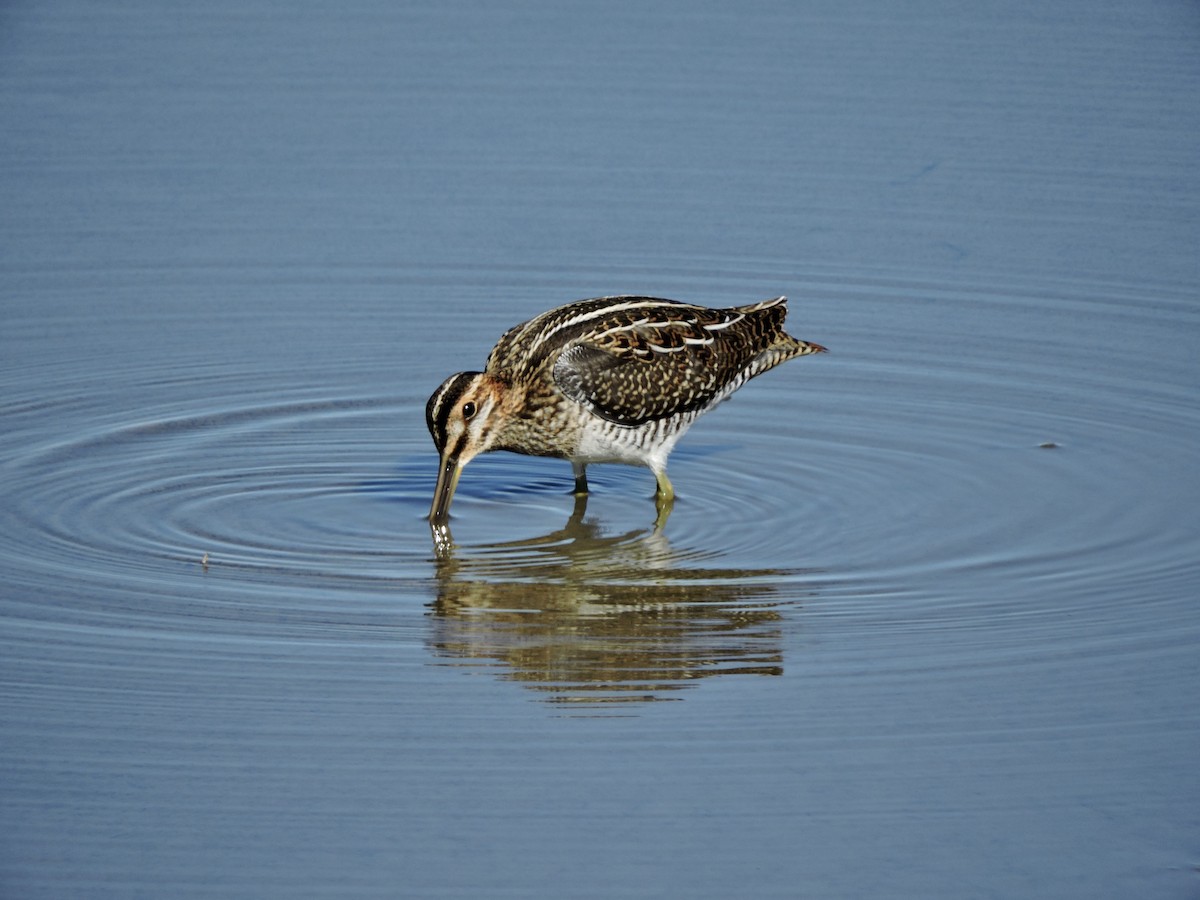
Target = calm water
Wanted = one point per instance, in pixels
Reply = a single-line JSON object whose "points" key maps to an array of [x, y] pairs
{"points": [[924, 619]]}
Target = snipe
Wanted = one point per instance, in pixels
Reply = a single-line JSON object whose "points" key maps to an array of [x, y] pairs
{"points": [[615, 379]]}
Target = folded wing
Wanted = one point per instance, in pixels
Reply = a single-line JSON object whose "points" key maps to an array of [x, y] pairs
{"points": [[653, 362]]}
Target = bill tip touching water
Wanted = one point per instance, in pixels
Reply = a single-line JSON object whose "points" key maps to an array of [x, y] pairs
{"points": [[606, 380]]}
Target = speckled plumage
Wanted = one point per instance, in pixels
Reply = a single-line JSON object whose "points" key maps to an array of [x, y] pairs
{"points": [[613, 379]]}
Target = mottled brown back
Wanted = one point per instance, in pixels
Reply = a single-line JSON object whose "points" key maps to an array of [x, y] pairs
{"points": [[636, 359]]}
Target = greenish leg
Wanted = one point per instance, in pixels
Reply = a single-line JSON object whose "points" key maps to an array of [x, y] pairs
{"points": [[666, 491], [664, 500], [580, 477]]}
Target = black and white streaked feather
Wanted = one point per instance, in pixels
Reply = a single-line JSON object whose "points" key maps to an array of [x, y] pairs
{"points": [[632, 360]]}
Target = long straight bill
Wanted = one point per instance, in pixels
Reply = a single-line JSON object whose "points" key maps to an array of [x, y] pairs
{"points": [[448, 473]]}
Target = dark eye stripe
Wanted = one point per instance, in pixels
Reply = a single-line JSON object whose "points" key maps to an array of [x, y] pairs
{"points": [[442, 404]]}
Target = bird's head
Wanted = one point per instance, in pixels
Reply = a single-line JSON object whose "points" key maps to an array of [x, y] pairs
{"points": [[463, 418]]}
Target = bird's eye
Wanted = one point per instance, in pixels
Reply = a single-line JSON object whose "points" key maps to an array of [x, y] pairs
{"points": [[468, 409]]}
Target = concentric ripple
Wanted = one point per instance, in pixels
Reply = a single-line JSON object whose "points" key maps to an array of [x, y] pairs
{"points": [[999, 459], [289, 492]]}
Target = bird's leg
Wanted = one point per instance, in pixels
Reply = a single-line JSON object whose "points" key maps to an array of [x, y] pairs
{"points": [[664, 499], [666, 491], [662, 511], [580, 477]]}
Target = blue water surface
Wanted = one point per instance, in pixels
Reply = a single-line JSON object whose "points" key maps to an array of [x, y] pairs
{"points": [[923, 621]]}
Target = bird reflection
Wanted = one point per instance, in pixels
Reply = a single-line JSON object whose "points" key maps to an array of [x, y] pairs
{"points": [[591, 618]]}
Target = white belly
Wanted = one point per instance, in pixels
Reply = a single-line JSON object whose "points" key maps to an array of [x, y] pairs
{"points": [[643, 445]]}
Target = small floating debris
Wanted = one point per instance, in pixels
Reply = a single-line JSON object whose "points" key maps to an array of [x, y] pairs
{"points": [[1048, 445]]}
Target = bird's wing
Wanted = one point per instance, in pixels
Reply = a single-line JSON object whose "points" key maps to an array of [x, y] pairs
{"points": [[657, 361], [525, 348]]}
